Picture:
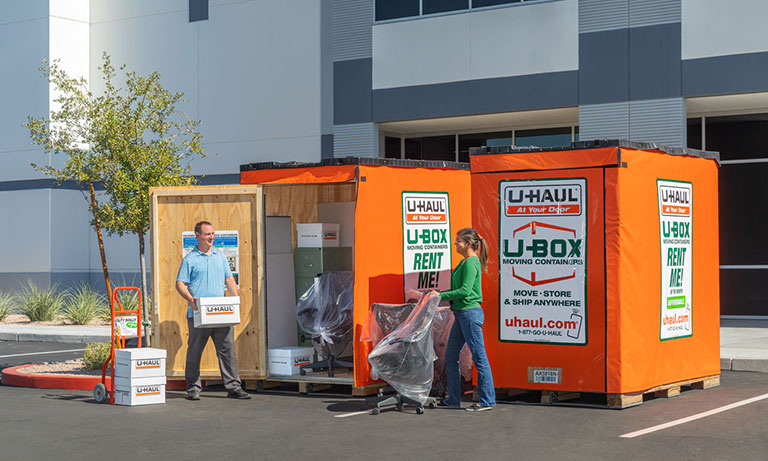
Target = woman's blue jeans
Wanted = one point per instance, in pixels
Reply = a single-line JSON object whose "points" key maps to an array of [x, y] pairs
{"points": [[468, 328]]}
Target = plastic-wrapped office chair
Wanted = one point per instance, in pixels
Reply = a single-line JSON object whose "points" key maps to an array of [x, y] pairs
{"points": [[405, 359], [325, 313]]}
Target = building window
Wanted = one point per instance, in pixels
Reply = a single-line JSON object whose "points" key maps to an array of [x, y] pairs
{"points": [[396, 9], [548, 137], [198, 10], [400, 9], [497, 138], [391, 147]]}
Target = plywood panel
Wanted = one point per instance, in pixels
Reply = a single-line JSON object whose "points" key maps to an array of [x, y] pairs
{"points": [[175, 210], [299, 201]]}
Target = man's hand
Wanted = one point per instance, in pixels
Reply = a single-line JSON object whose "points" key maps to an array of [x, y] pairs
{"points": [[181, 287], [194, 303]]}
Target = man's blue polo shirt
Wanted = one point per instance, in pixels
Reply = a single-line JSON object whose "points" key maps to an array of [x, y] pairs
{"points": [[204, 274]]}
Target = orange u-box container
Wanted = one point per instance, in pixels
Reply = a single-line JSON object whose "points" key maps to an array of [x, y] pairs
{"points": [[603, 273], [427, 201]]}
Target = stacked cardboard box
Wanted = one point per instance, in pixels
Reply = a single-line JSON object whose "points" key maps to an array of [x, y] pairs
{"points": [[139, 376]]}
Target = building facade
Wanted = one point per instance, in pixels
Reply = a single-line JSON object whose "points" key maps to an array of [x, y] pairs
{"points": [[276, 80]]}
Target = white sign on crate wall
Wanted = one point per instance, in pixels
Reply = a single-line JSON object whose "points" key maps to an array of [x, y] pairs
{"points": [[542, 256]]}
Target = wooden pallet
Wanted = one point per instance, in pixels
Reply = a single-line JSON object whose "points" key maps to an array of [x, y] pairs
{"points": [[665, 391], [314, 382], [623, 400]]}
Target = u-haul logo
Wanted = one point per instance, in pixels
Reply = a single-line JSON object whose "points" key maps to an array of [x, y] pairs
{"points": [[330, 235], [298, 361], [426, 210], [147, 364], [561, 199], [147, 390], [675, 201], [219, 310]]}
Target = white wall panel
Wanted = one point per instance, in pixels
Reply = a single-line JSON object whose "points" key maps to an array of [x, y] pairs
{"points": [[520, 40], [26, 242], [23, 92], [76, 10], [23, 10], [423, 51], [226, 157], [717, 27], [112, 10], [166, 43], [70, 248], [527, 39]]}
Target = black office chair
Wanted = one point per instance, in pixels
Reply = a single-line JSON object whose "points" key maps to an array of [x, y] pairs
{"points": [[325, 313], [405, 360]]}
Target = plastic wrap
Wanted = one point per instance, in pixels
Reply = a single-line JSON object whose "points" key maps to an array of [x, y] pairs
{"points": [[324, 311], [383, 319], [405, 357]]}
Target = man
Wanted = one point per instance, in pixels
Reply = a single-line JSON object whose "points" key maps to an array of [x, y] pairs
{"points": [[203, 273]]}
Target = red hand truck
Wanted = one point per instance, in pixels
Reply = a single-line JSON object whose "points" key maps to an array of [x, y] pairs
{"points": [[125, 324]]}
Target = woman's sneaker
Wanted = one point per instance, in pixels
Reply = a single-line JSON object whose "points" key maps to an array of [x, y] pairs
{"points": [[477, 407]]}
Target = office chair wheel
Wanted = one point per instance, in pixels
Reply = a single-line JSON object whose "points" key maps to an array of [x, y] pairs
{"points": [[399, 406], [303, 372], [419, 410], [375, 411], [431, 405]]}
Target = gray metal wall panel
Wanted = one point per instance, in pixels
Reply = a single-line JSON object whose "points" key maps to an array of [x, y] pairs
{"points": [[483, 96], [354, 139], [654, 62], [604, 67], [601, 15], [604, 121], [326, 146], [658, 120], [352, 29], [352, 83], [738, 73], [652, 12], [11, 282]]}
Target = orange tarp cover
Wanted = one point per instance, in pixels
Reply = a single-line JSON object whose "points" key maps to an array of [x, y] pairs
{"points": [[623, 351], [306, 175]]}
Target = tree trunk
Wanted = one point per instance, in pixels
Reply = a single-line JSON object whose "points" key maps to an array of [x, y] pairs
{"points": [[97, 225], [144, 301]]}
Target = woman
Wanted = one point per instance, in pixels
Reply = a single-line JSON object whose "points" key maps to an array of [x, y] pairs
{"points": [[466, 296]]}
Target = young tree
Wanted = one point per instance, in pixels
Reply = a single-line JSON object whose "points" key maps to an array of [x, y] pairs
{"points": [[134, 138]]}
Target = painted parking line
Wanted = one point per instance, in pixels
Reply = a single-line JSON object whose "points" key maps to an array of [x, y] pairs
{"points": [[40, 353], [677, 422]]}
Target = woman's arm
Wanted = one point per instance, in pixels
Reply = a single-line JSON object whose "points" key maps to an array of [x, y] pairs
{"points": [[470, 271]]}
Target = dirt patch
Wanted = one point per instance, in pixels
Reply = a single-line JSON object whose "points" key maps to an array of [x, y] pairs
{"points": [[20, 319], [68, 368]]}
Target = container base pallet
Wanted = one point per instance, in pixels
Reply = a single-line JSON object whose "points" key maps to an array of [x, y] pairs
{"points": [[314, 382], [619, 401]]}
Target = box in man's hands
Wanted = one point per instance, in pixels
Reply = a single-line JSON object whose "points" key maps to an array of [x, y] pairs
{"points": [[217, 312]]}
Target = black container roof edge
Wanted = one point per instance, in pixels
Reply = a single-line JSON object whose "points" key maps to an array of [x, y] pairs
{"points": [[596, 144], [357, 161]]}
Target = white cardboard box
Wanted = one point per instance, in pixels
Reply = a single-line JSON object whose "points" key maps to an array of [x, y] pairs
{"points": [[139, 391], [139, 362], [317, 235], [288, 360], [217, 312]]}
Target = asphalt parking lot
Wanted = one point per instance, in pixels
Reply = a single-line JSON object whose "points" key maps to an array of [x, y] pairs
{"points": [[54, 424]]}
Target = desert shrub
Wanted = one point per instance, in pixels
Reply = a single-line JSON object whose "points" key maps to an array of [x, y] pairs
{"points": [[95, 355], [7, 306], [84, 304], [40, 304]]}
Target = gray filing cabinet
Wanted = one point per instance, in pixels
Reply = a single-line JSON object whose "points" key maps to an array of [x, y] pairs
{"points": [[309, 263]]}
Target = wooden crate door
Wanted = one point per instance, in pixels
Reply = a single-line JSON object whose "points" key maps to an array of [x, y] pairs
{"points": [[176, 211]]}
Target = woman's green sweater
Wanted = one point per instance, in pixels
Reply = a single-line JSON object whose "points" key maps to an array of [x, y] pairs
{"points": [[465, 289]]}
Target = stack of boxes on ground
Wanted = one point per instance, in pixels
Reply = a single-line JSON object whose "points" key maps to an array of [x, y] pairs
{"points": [[139, 376]]}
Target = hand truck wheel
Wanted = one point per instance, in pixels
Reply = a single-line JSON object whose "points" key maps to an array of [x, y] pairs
{"points": [[100, 393]]}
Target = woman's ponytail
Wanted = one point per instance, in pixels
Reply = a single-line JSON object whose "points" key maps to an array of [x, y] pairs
{"points": [[477, 243]]}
